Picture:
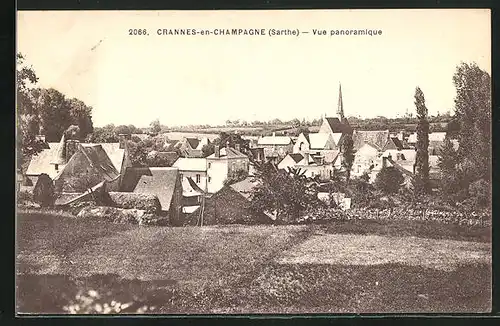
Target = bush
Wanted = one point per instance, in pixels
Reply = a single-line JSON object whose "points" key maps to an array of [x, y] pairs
{"points": [[360, 191], [43, 193], [389, 180], [117, 215], [24, 195], [480, 194], [235, 177], [148, 203]]}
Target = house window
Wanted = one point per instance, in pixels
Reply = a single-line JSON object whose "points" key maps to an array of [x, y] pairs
{"points": [[209, 165], [198, 178], [182, 176], [312, 174], [57, 167], [209, 179]]}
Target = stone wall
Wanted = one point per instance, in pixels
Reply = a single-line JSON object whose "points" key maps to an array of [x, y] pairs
{"points": [[410, 214]]}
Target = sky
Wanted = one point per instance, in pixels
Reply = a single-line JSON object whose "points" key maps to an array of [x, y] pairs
{"points": [[208, 79]]}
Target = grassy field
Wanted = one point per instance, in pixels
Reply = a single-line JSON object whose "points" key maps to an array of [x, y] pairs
{"points": [[69, 265]]}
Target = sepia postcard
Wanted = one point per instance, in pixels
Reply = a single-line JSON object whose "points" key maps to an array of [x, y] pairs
{"points": [[253, 162]]}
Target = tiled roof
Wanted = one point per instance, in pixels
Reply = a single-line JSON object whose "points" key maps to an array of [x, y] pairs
{"points": [[296, 157], [191, 153], [244, 187], [191, 164], [337, 126], [160, 181], [229, 152], [115, 154], [41, 163], [275, 140], [377, 139], [397, 142], [193, 142], [98, 158], [89, 160]]}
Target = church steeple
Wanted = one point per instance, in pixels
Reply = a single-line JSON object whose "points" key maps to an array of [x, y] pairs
{"points": [[340, 105]]}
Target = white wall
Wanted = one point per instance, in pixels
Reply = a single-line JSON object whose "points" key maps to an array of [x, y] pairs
{"points": [[286, 162], [203, 178], [364, 157], [305, 144], [217, 171]]}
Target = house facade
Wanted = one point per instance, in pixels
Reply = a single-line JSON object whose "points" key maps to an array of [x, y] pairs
{"points": [[223, 164], [53, 159], [312, 167], [275, 147], [194, 168]]}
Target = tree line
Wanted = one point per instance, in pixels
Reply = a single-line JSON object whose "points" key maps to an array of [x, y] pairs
{"points": [[45, 111]]}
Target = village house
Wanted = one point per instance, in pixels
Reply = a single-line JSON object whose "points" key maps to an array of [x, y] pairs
{"points": [[163, 182], [231, 204], [93, 157], [192, 196], [275, 147], [189, 147], [223, 164], [369, 147], [194, 168], [312, 167], [436, 140], [318, 145]]}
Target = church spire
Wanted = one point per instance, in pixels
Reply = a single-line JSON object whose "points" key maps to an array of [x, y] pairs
{"points": [[340, 106]]}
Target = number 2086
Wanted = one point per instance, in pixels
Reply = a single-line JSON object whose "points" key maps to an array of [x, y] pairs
{"points": [[135, 31]]}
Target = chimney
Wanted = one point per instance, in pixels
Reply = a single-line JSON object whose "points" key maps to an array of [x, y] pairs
{"points": [[123, 140], [217, 151], [306, 158], [71, 148], [237, 147]]}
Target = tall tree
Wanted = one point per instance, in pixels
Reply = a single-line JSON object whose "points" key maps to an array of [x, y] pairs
{"points": [[347, 154], [81, 115], [28, 121], [422, 145], [473, 112], [155, 126], [448, 161], [54, 113]]}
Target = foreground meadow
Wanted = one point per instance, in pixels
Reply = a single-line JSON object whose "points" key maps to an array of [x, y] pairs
{"points": [[65, 265]]}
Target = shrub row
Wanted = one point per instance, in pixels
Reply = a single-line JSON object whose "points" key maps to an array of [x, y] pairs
{"points": [[482, 218]]}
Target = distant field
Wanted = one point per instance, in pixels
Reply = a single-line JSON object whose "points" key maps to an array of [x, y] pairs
{"points": [[247, 269], [281, 129]]}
